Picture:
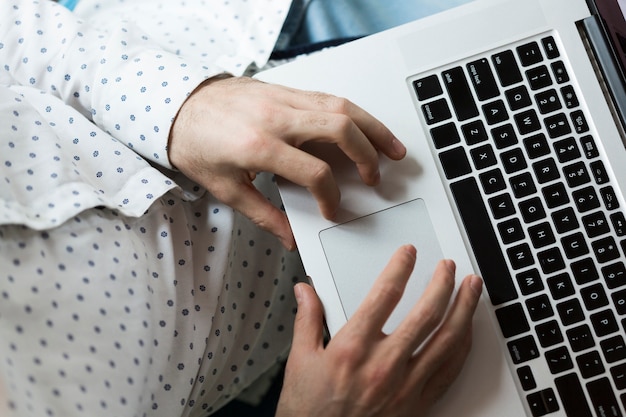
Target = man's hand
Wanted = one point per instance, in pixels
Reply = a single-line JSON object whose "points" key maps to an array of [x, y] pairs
{"points": [[230, 129], [365, 373]]}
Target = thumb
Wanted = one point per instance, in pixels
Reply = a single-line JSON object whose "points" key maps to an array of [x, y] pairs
{"points": [[308, 331]]}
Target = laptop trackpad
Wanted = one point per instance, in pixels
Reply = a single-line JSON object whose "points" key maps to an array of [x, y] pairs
{"points": [[358, 250]]}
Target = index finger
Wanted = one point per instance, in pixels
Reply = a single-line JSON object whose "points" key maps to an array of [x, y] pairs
{"points": [[385, 294], [376, 132]]}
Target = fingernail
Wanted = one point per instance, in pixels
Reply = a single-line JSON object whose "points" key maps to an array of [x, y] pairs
{"points": [[377, 177], [297, 291], [476, 283], [411, 250], [450, 265], [398, 147]]}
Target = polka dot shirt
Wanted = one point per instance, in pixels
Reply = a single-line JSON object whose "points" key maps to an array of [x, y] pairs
{"points": [[125, 289]]}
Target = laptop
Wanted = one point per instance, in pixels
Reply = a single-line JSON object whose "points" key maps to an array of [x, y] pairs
{"points": [[512, 112]]}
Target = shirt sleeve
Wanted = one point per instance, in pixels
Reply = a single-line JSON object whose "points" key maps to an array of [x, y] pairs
{"points": [[118, 78]]}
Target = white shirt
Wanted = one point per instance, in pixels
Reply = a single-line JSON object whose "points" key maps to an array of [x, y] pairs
{"points": [[125, 290]]}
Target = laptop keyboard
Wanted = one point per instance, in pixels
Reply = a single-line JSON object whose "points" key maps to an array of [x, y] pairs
{"points": [[541, 211]]}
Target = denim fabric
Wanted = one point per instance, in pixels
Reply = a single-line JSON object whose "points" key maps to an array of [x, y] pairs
{"points": [[315, 21]]}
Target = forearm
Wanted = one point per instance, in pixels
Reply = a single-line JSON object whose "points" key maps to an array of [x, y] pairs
{"points": [[118, 78]]}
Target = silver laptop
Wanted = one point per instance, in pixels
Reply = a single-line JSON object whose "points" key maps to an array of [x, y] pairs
{"points": [[513, 115]]}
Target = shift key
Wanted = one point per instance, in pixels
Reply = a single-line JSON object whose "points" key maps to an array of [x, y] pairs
{"points": [[460, 93]]}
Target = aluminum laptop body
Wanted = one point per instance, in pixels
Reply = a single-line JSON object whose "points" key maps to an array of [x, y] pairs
{"points": [[522, 187]]}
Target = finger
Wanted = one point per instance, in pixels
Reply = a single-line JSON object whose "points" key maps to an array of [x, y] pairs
{"points": [[309, 322], [450, 335], [385, 294], [246, 199], [339, 129], [306, 171], [376, 132], [444, 377], [427, 313]]}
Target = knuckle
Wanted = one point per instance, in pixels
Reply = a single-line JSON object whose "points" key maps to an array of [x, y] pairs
{"points": [[320, 173]]}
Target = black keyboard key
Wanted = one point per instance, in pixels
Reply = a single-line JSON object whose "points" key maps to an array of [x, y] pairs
{"points": [[427, 87], [580, 122], [541, 235], [605, 249], [619, 223], [526, 378], [539, 78], [482, 79], [518, 98], [512, 320], [619, 376], [557, 125], [523, 349], [484, 242], [565, 220], [559, 360], [504, 136], [561, 286], [604, 323], [584, 271], [536, 146], [513, 160], [549, 333], [474, 132], [574, 245], [529, 281], [586, 199], [501, 206], [546, 170], [511, 231], [560, 72], [594, 297], [566, 150], [542, 402], [483, 157], [532, 210], [495, 112], [569, 97], [576, 174], [523, 185], [460, 94], [548, 101], [455, 163], [572, 396], [614, 275], [445, 135], [520, 256], [529, 54], [492, 181], [580, 338], [590, 364], [436, 111], [550, 47], [589, 147], [539, 307], [506, 68], [599, 172], [609, 198], [596, 224], [570, 312], [603, 398], [555, 195], [614, 349], [527, 122], [619, 301], [551, 261]]}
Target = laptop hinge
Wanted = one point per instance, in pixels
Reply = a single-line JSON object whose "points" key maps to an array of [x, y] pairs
{"points": [[607, 70]]}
